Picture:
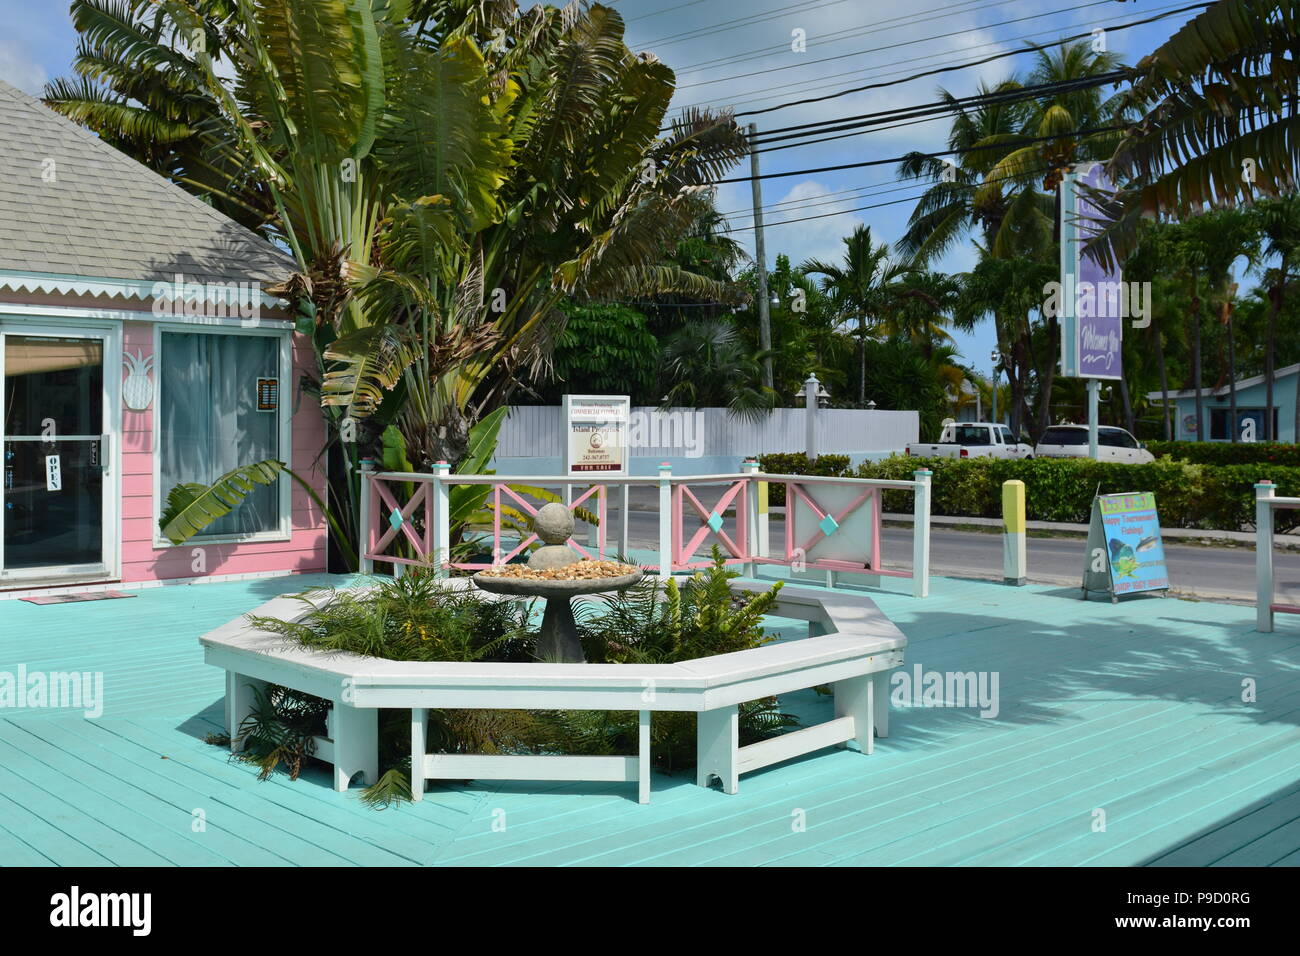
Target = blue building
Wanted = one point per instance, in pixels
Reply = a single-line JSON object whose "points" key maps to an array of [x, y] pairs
{"points": [[1250, 408]]}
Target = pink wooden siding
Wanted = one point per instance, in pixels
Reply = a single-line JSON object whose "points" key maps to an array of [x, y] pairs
{"points": [[304, 550]]}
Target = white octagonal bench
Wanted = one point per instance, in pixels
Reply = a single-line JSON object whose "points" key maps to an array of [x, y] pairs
{"points": [[851, 646]]}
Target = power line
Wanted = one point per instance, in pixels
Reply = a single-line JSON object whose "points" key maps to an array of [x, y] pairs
{"points": [[850, 33], [889, 46], [892, 202], [761, 16], [699, 33], [1017, 94], [655, 13], [1027, 141], [965, 64], [822, 199]]}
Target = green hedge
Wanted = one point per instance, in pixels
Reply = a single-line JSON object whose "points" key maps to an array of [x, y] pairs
{"points": [[1226, 453], [1210, 497], [797, 464]]}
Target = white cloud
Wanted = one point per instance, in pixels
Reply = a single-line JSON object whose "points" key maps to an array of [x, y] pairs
{"points": [[17, 69]]}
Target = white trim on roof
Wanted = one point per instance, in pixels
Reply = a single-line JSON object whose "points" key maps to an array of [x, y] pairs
{"points": [[211, 292], [1244, 383]]}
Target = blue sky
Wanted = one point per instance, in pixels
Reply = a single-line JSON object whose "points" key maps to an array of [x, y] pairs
{"points": [[739, 54]]}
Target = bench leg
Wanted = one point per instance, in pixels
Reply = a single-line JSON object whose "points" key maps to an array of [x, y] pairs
{"points": [[853, 698], [356, 744], [419, 728], [880, 702], [643, 758], [240, 700], [716, 747]]}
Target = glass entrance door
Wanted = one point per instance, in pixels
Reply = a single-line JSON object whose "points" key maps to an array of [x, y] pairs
{"points": [[52, 504]]}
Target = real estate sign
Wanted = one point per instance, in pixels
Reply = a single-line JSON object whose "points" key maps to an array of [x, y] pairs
{"points": [[1093, 300], [596, 434], [1125, 552]]}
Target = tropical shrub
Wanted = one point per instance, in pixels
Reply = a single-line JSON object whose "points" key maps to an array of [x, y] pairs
{"points": [[796, 463], [1228, 453], [414, 618], [1210, 497]]}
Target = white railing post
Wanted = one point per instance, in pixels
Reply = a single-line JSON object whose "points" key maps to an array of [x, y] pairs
{"points": [[438, 487], [364, 531], [1264, 491], [754, 514], [921, 534], [665, 521], [810, 389]]}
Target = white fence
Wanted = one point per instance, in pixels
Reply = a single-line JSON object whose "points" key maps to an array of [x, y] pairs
{"points": [[537, 431]]}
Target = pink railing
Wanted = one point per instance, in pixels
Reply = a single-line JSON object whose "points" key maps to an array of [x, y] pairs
{"points": [[830, 524]]}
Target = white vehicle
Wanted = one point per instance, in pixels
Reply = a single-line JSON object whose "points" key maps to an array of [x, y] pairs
{"points": [[973, 440], [1113, 444]]}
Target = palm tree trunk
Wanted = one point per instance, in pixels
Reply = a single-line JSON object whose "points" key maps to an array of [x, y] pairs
{"points": [[1128, 404], [862, 361], [1232, 372], [1270, 350], [1048, 378], [1164, 382], [1196, 361]]}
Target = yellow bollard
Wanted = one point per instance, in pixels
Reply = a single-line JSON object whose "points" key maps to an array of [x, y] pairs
{"points": [[1013, 533]]}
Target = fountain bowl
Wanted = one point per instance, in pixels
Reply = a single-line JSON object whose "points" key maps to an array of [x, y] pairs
{"points": [[553, 587]]}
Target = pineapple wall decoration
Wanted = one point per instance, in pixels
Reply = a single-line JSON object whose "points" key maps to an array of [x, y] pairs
{"points": [[137, 390]]}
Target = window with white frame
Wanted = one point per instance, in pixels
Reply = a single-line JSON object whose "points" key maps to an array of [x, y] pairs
{"points": [[219, 408]]}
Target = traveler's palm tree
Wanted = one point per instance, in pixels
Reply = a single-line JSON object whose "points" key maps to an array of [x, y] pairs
{"points": [[146, 96], [445, 173]]}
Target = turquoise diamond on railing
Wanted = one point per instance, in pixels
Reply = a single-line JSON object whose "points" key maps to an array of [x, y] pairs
{"points": [[828, 525], [715, 522], [395, 519]]}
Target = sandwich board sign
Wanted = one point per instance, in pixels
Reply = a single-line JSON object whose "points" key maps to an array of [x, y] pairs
{"points": [[1125, 553], [596, 435]]}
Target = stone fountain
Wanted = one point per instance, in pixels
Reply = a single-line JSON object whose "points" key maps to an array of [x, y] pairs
{"points": [[559, 636]]}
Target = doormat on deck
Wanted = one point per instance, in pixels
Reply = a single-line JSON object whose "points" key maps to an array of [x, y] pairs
{"points": [[74, 598]]}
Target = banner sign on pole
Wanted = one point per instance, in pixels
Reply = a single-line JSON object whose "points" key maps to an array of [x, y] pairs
{"points": [[1092, 299], [596, 434], [1125, 551]]}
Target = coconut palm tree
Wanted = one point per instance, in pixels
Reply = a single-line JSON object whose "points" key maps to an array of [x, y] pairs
{"points": [[1218, 120], [959, 200]]}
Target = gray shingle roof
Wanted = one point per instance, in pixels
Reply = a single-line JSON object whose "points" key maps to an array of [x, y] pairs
{"points": [[107, 216]]}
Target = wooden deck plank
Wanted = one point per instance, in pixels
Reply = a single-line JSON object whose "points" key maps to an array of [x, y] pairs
{"points": [[1131, 706]]}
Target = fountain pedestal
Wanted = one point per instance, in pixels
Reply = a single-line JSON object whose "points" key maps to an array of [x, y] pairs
{"points": [[558, 642]]}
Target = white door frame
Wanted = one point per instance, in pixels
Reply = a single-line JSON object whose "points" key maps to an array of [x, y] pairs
{"points": [[110, 333]]}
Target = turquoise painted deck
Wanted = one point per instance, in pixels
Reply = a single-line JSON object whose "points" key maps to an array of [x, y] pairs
{"points": [[1134, 710]]}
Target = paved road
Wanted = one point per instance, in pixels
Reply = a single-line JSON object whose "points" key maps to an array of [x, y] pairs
{"points": [[1208, 572]]}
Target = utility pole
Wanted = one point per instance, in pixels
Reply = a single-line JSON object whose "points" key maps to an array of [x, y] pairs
{"points": [[760, 260]]}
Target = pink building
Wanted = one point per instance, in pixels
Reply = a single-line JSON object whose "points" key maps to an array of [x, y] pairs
{"points": [[138, 351]]}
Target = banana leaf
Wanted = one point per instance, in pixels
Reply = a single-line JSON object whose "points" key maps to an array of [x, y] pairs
{"points": [[193, 506]]}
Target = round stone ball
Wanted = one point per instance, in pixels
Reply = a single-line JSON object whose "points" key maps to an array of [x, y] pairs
{"points": [[553, 523]]}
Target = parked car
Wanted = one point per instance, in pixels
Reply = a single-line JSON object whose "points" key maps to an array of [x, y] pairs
{"points": [[1113, 444], [973, 440]]}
